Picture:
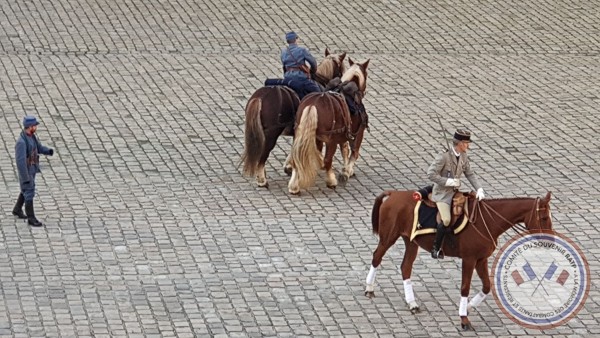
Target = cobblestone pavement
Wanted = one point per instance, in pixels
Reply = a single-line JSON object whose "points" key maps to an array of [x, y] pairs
{"points": [[152, 231]]}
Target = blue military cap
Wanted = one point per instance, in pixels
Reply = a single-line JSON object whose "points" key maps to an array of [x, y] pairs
{"points": [[290, 36], [29, 121]]}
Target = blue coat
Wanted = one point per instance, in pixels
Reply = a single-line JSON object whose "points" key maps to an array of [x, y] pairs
{"points": [[295, 56], [26, 146]]}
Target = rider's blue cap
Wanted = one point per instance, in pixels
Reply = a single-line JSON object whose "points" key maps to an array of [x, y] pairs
{"points": [[29, 121], [290, 36]]}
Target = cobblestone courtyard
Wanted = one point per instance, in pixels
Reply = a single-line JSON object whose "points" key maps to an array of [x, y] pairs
{"points": [[151, 230]]}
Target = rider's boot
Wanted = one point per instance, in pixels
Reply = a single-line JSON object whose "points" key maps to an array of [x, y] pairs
{"points": [[439, 238]]}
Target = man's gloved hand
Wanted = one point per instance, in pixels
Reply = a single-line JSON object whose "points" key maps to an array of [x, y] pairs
{"points": [[51, 152], [453, 182], [479, 194]]}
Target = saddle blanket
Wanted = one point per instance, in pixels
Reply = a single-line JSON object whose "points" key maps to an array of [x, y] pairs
{"points": [[425, 221]]}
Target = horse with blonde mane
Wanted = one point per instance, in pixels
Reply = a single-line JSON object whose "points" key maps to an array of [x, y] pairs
{"points": [[270, 113], [324, 119]]}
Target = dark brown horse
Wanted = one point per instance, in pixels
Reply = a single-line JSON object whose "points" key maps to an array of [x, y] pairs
{"points": [[393, 216], [270, 113], [324, 118]]}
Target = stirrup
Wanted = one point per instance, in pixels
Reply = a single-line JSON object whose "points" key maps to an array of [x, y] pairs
{"points": [[439, 254]]}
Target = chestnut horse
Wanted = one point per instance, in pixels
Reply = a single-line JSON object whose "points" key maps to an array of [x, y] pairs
{"points": [[393, 215], [324, 118], [270, 112]]}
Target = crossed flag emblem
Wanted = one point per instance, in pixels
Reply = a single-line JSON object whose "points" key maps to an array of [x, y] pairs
{"points": [[532, 276]]}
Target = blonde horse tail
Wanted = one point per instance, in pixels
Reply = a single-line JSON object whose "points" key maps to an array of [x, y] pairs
{"points": [[375, 212], [306, 157], [254, 138]]}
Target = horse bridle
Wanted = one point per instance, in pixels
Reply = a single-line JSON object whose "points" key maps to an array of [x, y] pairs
{"points": [[520, 229], [336, 73], [537, 214]]}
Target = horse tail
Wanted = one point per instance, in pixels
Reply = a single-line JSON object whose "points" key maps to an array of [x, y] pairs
{"points": [[306, 157], [375, 212], [254, 137]]}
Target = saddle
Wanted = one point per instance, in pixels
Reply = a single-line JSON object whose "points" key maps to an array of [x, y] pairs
{"points": [[427, 215], [351, 93], [296, 86]]}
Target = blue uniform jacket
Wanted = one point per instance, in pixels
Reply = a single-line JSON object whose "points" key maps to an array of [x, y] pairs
{"points": [[28, 167], [298, 56]]}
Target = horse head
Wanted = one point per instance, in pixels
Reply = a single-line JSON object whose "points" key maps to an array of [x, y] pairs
{"points": [[540, 218], [357, 73], [331, 66]]}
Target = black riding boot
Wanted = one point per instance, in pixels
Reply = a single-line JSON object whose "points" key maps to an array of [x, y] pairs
{"points": [[31, 215], [18, 209], [439, 238]]}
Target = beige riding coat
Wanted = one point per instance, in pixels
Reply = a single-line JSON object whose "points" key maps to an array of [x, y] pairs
{"points": [[447, 166]]}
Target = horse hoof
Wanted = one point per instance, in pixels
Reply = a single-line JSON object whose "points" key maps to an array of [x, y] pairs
{"points": [[332, 187], [467, 327], [415, 310], [264, 185], [288, 171], [343, 178], [370, 294]]}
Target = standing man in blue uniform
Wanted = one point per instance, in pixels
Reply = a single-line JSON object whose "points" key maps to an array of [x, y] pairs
{"points": [[27, 156], [294, 60]]}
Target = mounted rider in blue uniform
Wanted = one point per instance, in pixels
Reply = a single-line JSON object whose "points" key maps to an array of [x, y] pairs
{"points": [[294, 59]]}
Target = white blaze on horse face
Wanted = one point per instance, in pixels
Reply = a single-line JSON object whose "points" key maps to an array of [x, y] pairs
{"points": [[355, 71]]}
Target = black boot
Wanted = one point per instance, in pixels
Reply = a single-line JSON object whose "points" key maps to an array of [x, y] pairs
{"points": [[18, 209], [31, 215], [439, 238]]}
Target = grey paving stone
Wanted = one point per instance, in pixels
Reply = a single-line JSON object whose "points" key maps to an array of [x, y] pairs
{"points": [[151, 230]]}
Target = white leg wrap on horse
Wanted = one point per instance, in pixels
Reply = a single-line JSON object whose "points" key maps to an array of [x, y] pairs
{"points": [[408, 291], [480, 297], [462, 309], [371, 275]]}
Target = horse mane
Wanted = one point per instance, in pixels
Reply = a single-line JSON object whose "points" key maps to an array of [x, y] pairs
{"points": [[355, 71], [326, 67], [510, 198]]}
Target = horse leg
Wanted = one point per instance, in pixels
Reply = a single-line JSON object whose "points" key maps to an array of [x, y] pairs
{"points": [[345, 149], [270, 141], [410, 254], [287, 166], [354, 156], [382, 248], [331, 180], [484, 274], [320, 148], [468, 265]]}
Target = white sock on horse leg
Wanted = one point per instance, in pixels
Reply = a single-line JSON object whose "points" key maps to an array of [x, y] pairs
{"points": [[371, 275], [462, 309], [480, 297], [408, 291]]}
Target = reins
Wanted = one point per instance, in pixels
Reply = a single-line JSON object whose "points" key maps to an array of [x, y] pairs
{"points": [[520, 229]]}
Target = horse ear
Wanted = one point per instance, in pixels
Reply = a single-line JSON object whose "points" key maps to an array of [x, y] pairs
{"points": [[350, 61], [548, 196], [327, 51], [366, 64], [342, 56]]}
